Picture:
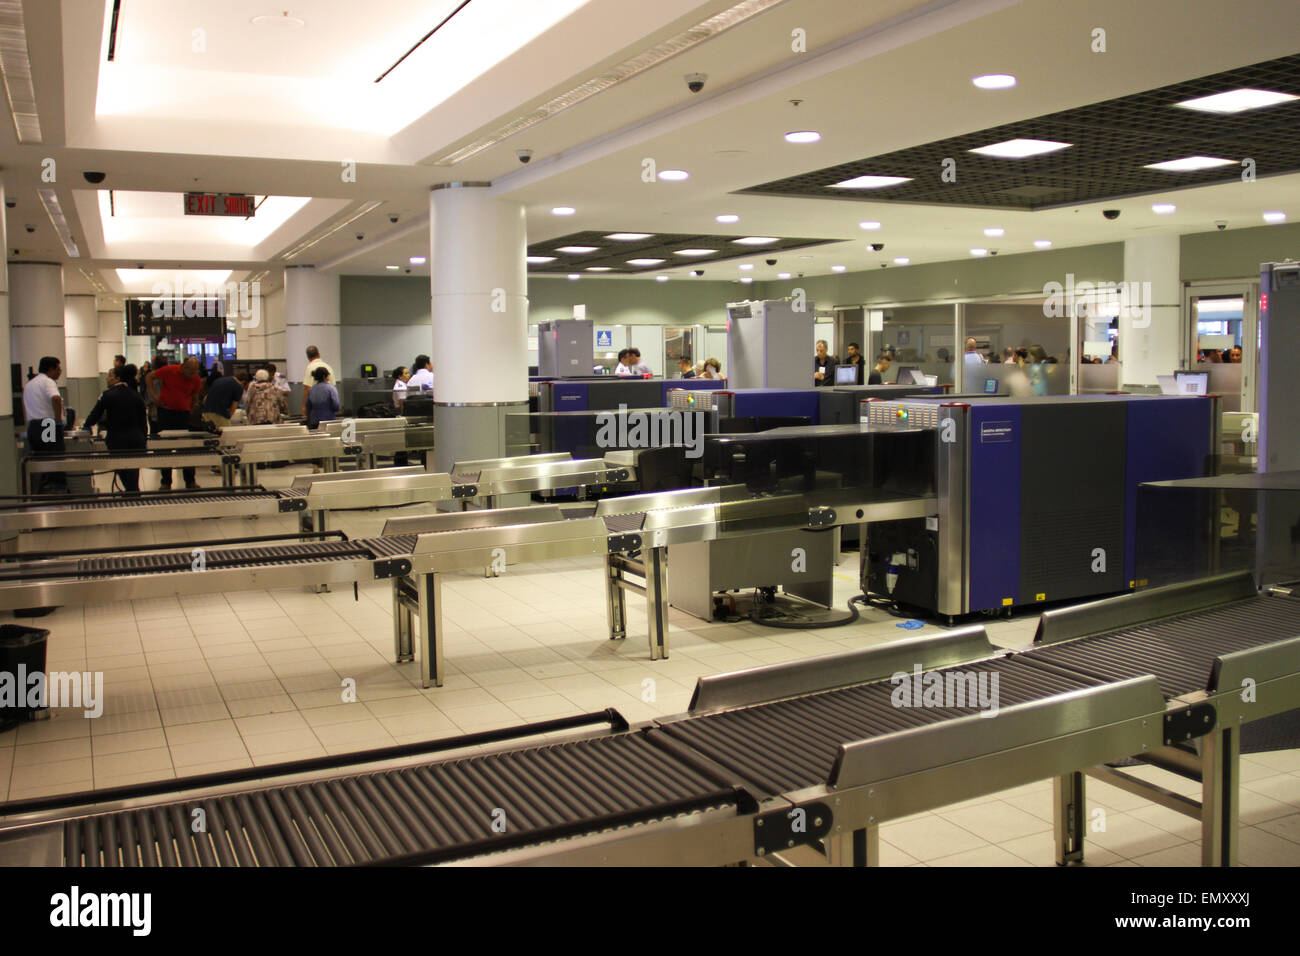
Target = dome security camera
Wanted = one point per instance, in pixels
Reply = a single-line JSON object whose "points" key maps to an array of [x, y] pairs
{"points": [[770, 262], [393, 218], [93, 177], [525, 155], [697, 272], [877, 246], [1111, 214], [1221, 224], [360, 236], [30, 228], [695, 81]]}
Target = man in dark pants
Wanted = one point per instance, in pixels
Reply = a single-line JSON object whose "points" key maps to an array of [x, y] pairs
{"points": [[43, 408], [174, 388]]}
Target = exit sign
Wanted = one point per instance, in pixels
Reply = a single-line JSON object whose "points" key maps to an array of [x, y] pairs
{"points": [[219, 204]]}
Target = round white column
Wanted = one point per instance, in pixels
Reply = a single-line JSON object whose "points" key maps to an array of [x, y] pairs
{"points": [[479, 312], [81, 337], [112, 336], [137, 350], [311, 317], [35, 313], [8, 448]]}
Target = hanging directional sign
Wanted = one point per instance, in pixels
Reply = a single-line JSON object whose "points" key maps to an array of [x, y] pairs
{"points": [[191, 320], [219, 204]]}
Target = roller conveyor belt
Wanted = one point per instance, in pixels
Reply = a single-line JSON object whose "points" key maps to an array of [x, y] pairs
{"points": [[791, 744], [1179, 651]]}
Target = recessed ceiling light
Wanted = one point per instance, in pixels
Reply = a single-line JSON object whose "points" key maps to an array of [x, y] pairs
{"points": [[644, 262], [902, 261], [563, 211], [536, 259], [628, 236], [1163, 208], [979, 252], [674, 175], [694, 252], [995, 232], [803, 136], [871, 182], [394, 268], [754, 240], [577, 250], [1042, 243], [1020, 148], [869, 224], [746, 279], [574, 275], [1236, 101], [837, 268], [783, 275], [727, 217], [661, 278], [598, 268], [747, 265], [994, 81], [417, 260], [1275, 216], [805, 257], [279, 20], [1190, 164]]}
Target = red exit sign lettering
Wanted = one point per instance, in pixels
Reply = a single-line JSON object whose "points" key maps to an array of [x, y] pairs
{"points": [[219, 204]]}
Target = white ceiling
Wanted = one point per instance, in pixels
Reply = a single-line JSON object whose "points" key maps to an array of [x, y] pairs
{"points": [[270, 111]]}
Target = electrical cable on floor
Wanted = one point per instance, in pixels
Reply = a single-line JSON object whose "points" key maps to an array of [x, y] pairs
{"points": [[803, 623]]}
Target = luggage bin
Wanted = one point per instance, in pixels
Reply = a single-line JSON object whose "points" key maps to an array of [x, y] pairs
{"points": [[20, 647]]}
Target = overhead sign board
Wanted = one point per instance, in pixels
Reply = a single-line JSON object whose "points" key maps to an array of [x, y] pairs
{"points": [[178, 320], [220, 204]]}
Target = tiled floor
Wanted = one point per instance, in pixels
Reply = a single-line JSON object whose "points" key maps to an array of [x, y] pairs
{"points": [[251, 678]]}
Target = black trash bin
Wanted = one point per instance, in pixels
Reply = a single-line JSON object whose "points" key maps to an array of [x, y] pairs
{"points": [[22, 653]]}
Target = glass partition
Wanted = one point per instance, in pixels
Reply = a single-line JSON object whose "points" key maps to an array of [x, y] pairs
{"points": [[920, 339]]}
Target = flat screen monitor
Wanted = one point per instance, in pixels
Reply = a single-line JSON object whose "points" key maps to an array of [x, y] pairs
{"points": [[906, 376], [990, 386], [846, 375], [1192, 383], [369, 371]]}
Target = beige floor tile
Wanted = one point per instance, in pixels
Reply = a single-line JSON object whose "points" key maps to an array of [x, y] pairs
{"points": [[153, 760], [1040, 850], [106, 744], [929, 837], [185, 757], [996, 822], [1130, 837], [988, 855]]}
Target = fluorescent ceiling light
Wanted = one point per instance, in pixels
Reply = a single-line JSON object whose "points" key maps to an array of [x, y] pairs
{"points": [[1275, 216], [674, 175], [628, 236], [16, 70], [574, 275], [50, 200], [902, 261], [746, 280], [418, 260], [727, 217], [979, 252], [871, 182], [1190, 164], [577, 250], [1219, 305], [995, 232], [644, 262], [1020, 148], [393, 268], [1236, 101], [869, 224], [694, 252], [803, 136], [1163, 208], [198, 282], [541, 258], [661, 278], [1042, 243], [754, 240], [563, 211], [598, 268], [837, 268], [783, 275], [747, 265], [994, 81]]}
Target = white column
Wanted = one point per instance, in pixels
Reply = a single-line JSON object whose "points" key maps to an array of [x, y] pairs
{"points": [[311, 317], [1149, 336], [479, 311], [81, 337], [112, 335], [8, 449], [137, 350], [36, 312]]}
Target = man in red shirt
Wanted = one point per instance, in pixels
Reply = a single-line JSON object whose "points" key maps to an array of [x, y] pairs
{"points": [[174, 389]]}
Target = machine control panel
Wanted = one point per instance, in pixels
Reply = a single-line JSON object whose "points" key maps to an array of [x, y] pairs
{"points": [[899, 415]]}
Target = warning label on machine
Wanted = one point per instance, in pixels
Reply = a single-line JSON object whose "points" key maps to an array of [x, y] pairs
{"points": [[996, 431]]}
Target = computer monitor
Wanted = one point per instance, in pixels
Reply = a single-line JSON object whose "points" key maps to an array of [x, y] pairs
{"points": [[990, 386], [369, 371], [1192, 383], [906, 375], [846, 375]]}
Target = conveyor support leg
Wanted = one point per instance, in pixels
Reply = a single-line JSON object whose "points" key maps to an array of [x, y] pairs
{"points": [[1220, 774], [402, 620], [615, 602], [1069, 811], [855, 847], [430, 591], [656, 596]]}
